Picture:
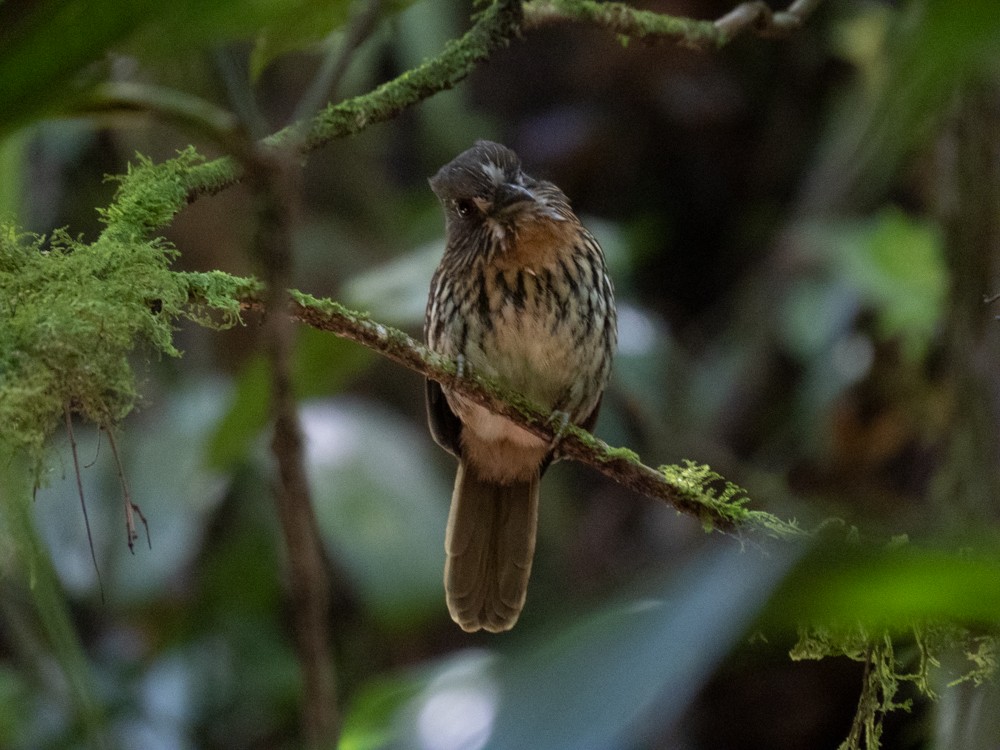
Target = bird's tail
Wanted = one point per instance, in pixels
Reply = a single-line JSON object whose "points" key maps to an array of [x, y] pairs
{"points": [[490, 542]]}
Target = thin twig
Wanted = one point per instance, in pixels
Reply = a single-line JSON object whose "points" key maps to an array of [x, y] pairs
{"points": [[336, 62], [83, 502], [97, 452], [131, 509], [750, 17], [757, 17]]}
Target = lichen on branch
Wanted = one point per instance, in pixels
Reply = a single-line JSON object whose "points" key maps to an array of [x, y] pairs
{"points": [[623, 20], [689, 488]]}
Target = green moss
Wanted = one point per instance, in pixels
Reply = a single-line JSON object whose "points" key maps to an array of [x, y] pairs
{"points": [[610, 454], [723, 503], [72, 313], [149, 195], [327, 307], [888, 674], [881, 683], [215, 291]]}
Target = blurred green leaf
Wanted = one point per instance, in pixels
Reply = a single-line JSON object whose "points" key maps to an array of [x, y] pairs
{"points": [[600, 682], [900, 264], [15, 705], [897, 264], [277, 26], [310, 22], [949, 41], [48, 50], [322, 364], [368, 720], [244, 419], [45, 46], [889, 588], [381, 505], [12, 163], [161, 449], [28, 576]]}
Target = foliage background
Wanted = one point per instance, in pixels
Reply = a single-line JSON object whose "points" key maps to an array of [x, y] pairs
{"points": [[801, 234]]}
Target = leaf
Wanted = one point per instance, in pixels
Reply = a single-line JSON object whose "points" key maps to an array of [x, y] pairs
{"points": [[380, 505], [597, 681], [890, 588], [309, 23], [897, 265], [49, 53], [322, 365], [45, 48], [13, 157]]}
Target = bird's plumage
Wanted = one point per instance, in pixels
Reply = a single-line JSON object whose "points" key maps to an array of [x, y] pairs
{"points": [[522, 296]]}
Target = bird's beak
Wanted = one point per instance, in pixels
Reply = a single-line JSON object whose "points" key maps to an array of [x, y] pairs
{"points": [[509, 195]]}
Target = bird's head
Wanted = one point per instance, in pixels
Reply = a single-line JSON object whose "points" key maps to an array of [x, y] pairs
{"points": [[486, 195]]}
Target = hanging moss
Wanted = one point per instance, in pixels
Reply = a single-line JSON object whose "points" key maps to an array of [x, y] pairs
{"points": [[71, 313]]}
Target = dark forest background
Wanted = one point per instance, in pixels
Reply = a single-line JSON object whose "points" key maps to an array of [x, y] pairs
{"points": [[801, 234]]}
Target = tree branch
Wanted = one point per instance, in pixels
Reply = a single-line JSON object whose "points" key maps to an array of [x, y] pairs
{"points": [[494, 28], [749, 17], [622, 19], [758, 18], [690, 489], [274, 181]]}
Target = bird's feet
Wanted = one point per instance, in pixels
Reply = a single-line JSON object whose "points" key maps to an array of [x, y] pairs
{"points": [[558, 421]]}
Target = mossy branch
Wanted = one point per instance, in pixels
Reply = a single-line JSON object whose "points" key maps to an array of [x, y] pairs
{"points": [[72, 314], [493, 29], [623, 20], [754, 17], [689, 488]]}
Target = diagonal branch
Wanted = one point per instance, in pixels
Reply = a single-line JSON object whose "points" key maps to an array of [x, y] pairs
{"points": [[690, 489], [494, 29]]}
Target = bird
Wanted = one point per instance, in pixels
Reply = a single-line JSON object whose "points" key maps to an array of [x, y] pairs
{"points": [[522, 297]]}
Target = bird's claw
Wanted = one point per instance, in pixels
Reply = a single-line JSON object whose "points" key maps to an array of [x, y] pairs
{"points": [[559, 421]]}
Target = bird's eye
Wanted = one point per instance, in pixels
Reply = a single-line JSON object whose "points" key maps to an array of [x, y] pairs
{"points": [[464, 207]]}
